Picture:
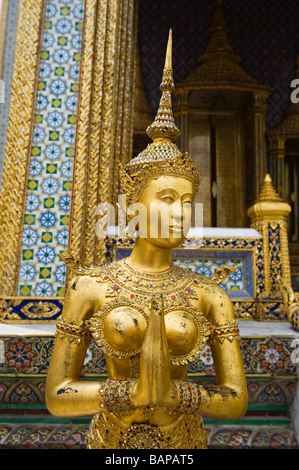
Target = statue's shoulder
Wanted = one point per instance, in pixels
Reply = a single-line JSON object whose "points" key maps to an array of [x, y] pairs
{"points": [[197, 278], [84, 274]]}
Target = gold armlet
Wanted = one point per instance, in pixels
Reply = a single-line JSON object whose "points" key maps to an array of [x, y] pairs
{"points": [[189, 398], [228, 331], [75, 333]]}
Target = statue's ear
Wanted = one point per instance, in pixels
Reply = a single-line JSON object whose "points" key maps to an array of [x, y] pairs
{"points": [[126, 184]]}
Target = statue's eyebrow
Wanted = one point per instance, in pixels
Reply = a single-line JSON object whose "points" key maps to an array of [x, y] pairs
{"points": [[188, 195], [167, 191], [173, 193]]}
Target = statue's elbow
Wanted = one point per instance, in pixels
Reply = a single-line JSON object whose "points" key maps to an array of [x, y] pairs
{"points": [[239, 405], [53, 402]]}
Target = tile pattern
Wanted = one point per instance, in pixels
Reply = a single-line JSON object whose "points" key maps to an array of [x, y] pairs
{"points": [[269, 437], [43, 436], [48, 200], [72, 436]]}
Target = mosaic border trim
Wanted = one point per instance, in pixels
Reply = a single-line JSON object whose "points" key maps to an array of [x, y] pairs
{"points": [[264, 357], [49, 435]]}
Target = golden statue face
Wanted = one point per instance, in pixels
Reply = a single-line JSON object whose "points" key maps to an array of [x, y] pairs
{"points": [[168, 203]]}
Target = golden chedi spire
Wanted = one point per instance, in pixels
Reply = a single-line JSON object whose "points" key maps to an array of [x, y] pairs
{"points": [[269, 205], [219, 43], [268, 192], [162, 156]]}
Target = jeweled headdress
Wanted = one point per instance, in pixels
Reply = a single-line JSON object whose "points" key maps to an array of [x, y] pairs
{"points": [[162, 156]]}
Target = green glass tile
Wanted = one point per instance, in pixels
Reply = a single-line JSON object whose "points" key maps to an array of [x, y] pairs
{"points": [[56, 103], [59, 71], [49, 202], [65, 10], [53, 136], [35, 151], [62, 40]]}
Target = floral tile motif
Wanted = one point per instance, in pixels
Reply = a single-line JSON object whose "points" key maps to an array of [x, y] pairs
{"points": [[29, 391], [27, 355], [47, 209], [272, 355], [20, 355], [44, 436], [271, 391]]}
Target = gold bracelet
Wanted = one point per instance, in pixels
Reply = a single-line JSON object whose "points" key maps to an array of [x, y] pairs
{"points": [[75, 333], [116, 399], [189, 398], [116, 396]]}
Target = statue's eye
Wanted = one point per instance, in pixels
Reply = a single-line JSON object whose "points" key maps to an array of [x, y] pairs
{"points": [[168, 199]]}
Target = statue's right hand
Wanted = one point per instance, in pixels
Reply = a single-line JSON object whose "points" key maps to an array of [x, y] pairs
{"points": [[138, 397]]}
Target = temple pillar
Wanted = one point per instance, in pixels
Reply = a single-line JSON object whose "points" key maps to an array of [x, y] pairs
{"points": [[105, 126], [71, 119], [259, 131], [277, 162], [181, 109]]}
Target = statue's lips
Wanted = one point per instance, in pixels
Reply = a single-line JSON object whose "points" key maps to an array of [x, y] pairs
{"points": [[175, 227]]}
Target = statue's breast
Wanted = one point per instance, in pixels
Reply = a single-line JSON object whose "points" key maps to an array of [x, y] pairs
{"points": [[124, 328], [120, 331]]}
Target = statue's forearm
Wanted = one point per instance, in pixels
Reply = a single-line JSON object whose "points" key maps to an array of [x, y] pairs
{"points": [[223, 402], [74, 398]]}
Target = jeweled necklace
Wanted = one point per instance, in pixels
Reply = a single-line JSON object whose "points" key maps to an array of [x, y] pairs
{"points": [[126, 283]]}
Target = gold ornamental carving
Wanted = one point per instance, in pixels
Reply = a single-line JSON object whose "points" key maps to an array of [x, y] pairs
{"points": [[105, 124]]}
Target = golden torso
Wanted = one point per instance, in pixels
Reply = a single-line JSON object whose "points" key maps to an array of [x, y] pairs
{"points": [[115, 303], [120, 320]]}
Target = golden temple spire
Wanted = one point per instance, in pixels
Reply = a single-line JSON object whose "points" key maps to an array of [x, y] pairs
{"points": [[219, 42], [219, 65], [164, 125], [268, 192]]}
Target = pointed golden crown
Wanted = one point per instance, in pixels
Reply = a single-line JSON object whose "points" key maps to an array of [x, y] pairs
{"points": [[162, 156]]}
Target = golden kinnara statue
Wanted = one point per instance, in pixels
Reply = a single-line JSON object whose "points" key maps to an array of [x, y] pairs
{"points": [[151, 319]]}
